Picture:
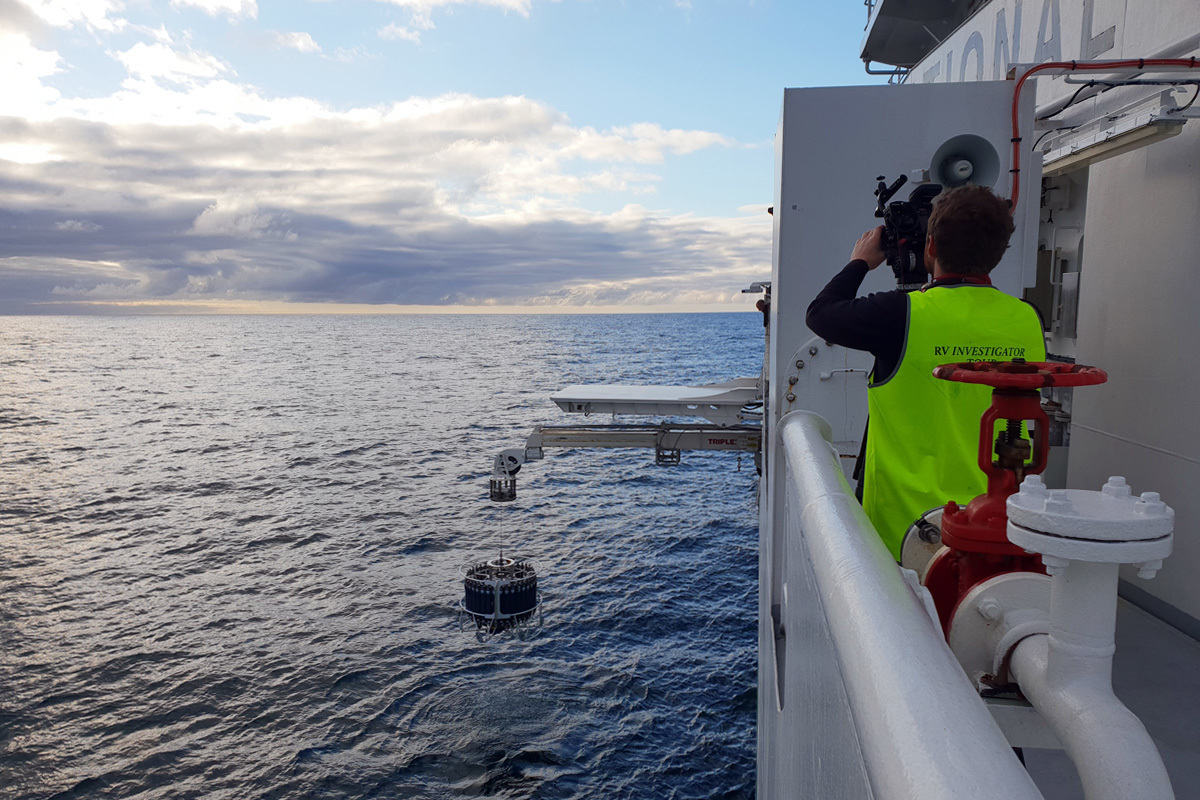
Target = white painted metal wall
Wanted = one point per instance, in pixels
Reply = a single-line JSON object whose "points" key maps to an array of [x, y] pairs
{"points": [[831, 145]]}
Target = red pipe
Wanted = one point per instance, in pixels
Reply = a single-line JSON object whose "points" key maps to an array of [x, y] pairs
{"points": [[1100, 66]]}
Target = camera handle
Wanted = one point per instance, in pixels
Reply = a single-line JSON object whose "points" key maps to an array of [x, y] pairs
{"points": [[885, 192]]}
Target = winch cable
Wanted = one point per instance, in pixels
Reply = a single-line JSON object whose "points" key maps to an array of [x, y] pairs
{"points": [[1071, 66]]}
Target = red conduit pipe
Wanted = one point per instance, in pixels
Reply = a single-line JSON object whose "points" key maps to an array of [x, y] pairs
{"points": [[1095, 66]]}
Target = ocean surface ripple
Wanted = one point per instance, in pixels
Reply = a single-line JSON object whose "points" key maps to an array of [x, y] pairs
{"points": [[229, 552]]}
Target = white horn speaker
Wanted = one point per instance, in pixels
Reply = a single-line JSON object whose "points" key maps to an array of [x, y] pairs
{"points": [[966, 158]]}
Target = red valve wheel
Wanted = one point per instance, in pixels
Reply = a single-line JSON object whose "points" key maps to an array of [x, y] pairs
{"points": [[1021, 374]]}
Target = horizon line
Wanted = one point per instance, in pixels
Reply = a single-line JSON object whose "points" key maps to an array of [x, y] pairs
{"points": [[278, 308]]}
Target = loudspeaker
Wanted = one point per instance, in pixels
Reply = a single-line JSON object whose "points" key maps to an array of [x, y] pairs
{"points": [[966, 158]]}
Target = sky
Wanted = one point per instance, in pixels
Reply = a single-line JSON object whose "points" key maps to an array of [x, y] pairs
{"points": [[398, 155]]}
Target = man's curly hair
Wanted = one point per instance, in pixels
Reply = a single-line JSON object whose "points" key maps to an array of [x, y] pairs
{"points": [[970, 226]]}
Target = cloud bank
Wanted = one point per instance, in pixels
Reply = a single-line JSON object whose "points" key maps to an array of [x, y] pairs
{"points": [[186, 185]]}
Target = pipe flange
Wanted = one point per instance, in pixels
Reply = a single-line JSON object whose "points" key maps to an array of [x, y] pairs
{"points": [[1112, 514], [1110, 526], [1100, 552], [994, 616]]}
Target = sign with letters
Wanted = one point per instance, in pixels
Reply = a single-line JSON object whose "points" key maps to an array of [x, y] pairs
{"points": [[1006, 32]]}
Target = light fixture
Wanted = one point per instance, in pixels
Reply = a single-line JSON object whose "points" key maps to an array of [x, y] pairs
{"points": [[1142, 123]]}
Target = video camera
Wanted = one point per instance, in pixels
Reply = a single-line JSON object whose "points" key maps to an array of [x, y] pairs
{"points": [[905, 225]]}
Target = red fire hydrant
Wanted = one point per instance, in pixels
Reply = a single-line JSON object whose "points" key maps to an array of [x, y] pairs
{"points": [[975, 535]]}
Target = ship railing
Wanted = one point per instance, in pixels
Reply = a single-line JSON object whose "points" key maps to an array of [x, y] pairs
{"points": [[920, 727]]}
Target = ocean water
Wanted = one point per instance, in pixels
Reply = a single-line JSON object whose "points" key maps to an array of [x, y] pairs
{"points": [[229, 551]]}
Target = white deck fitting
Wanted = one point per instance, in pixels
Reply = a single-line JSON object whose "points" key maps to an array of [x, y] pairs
{"points": [[719, 403]]}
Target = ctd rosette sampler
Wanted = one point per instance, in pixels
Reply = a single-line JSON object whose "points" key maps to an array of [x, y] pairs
{"points": [[501, 595]]}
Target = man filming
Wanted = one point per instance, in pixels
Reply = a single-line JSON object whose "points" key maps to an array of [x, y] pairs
{"points": [[922, 445]]}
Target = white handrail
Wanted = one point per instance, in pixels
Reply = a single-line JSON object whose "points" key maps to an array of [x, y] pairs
{"points": [[923, 730]]}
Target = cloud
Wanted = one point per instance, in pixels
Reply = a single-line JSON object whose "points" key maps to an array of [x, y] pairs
{"points": [[237, 217], [295, 40], [424, 7], [421, 14], [233, 8], [17, 17], [77, 225], [394, 31], [24, 68], [185, 184], [645, 142], [94, 14], [159, 60]]}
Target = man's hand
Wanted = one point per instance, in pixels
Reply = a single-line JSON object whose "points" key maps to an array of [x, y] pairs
{"points": [[869, 248]]}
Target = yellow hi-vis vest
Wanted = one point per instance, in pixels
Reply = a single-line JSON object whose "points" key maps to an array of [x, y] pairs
{"points": [[923, 434]]}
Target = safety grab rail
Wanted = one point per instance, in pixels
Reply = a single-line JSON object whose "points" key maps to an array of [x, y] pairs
{"points": [[922, 728]]}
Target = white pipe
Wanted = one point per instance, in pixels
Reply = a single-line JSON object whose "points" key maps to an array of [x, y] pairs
{"points": [[1180, 48], [923, 730], [1067, 676]]}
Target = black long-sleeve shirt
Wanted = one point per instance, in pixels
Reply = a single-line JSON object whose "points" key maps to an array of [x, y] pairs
{"points": [[876, 323]]}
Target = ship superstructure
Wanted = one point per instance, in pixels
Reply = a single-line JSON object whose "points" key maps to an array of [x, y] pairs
{"points": [[1108, 191]]}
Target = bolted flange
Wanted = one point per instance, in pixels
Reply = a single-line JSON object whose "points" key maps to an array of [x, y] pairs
{"points": [[993, 617], [1110, 526]]}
